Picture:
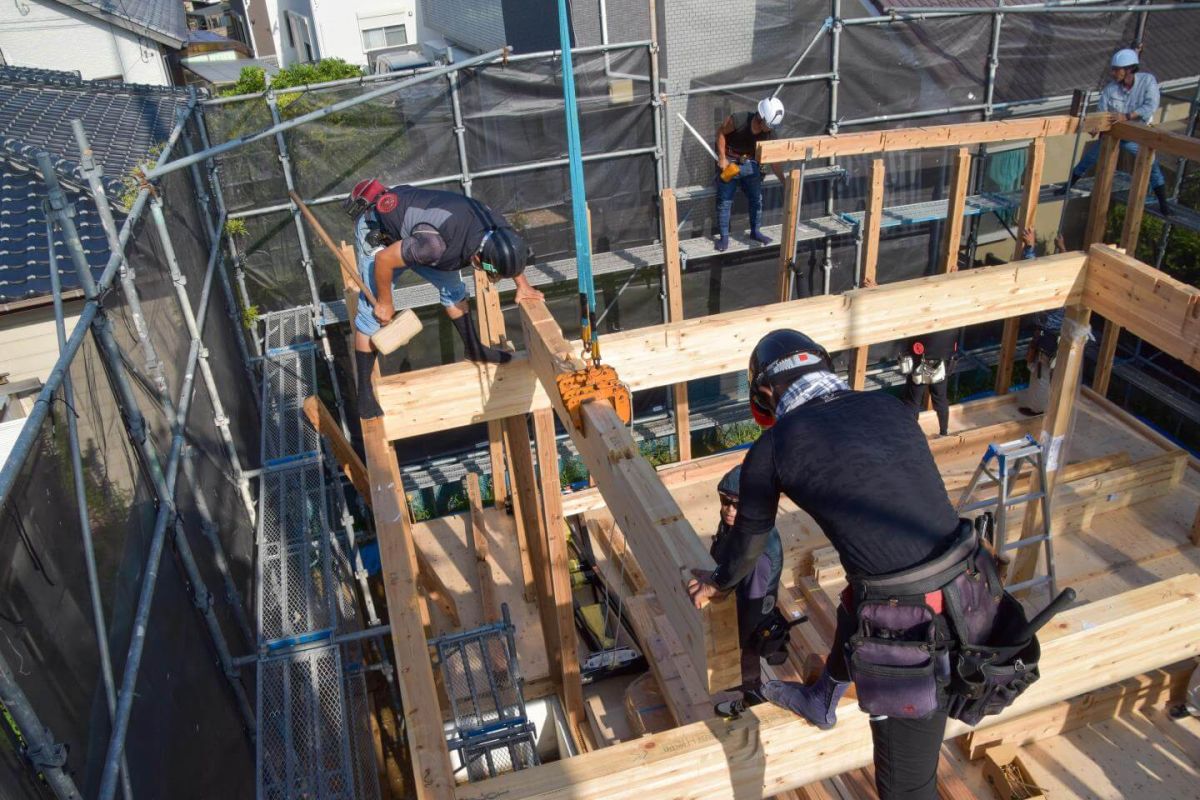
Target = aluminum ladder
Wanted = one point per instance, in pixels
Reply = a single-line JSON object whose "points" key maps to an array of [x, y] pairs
{"points": [[1009, 458]]}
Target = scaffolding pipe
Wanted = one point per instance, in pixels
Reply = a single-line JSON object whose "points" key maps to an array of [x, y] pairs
{"points": [[657, 108], [835, 54], [919, 13], [912, 115], [728, 87], [333, 198], [81, 503], [894, 15], [460, 130], [1180, 170], [321, 113], [825, 26], [46, 756], [285, 162]]}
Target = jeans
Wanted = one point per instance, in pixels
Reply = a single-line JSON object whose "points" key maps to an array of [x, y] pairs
{"points": [[450, 286], [1091, 154], [750, 179]]}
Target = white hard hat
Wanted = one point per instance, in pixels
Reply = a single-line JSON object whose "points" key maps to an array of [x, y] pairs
{"points": [[771, 111], [1125, 58]]}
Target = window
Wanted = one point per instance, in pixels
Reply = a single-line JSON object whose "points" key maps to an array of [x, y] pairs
{"points": [[300, 36], [389, 36]]}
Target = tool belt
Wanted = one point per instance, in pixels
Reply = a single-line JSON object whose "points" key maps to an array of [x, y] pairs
{"points": [[922, 370], [939, 637], [771, 637]]}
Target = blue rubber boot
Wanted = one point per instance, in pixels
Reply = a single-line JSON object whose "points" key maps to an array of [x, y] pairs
{"points": [[816, 703], [722, 243]]}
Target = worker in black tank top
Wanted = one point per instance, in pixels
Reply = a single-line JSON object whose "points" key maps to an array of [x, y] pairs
{"points": [[859, 464], [737, 141], [435, 234], [926, 362]]}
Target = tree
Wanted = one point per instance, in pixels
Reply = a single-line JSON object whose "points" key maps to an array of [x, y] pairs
{"points": [[252, 80]]}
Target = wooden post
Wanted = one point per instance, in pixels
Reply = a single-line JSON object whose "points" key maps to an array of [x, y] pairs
{"points": [[477, 545], [674, 282], [960, 172], [1106, 168], [1056, 431], [1135, 209], [787, 241], [491, 333], [1025, 219], [423, 716], [558, 563], [524, 494], [871, 221]]}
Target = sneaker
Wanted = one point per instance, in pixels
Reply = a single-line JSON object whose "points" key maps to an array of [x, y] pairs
{"points": [[760, 237], [722, 243]]}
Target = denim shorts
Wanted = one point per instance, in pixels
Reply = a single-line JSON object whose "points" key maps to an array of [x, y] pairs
{"points": [[450, 286]]}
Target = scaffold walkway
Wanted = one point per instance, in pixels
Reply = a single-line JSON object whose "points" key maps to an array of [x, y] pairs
{"points": [[314, 730]]}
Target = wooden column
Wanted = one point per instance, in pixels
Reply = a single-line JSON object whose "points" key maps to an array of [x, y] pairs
{"points": [[433, 777], [524, 495], [787, 240], [564, 652], [1025, 219], [960, 172], [491, 332], [1106, 168], [871, 221], [1135, 209], [1056, 432], [674, 282], [477, 545]]}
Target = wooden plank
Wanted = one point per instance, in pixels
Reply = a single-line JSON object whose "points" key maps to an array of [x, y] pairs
{"points": [[423, 717], [1175, 144], [849, 144], [515, 431], [960, 171], [769, 750], [787, 242], [324, 424], [682, 689], [604, 532], [1155, 688], [477, 544], [870, 249], [1152, 305], [459, 394], [1078, 502], [1106, 170], [558, 564], [1026, 215], [658, 533], [1134, 211], [674, 280]]}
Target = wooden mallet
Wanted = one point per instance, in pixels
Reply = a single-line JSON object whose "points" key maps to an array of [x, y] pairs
{"points": [[403, 327]]}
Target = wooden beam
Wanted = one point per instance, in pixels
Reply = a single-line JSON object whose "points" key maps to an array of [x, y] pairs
{"points": [[787, 241], [870, 251], [423, 717], [1151, 304], [558, 563], [1135, 208], [682, 688], [770, 750], [1175, 144], [1077, 502], [674, 280], [960, 172], [1152, 690], [850, 144], [1106, 170], [657, 531], [477, 545], [1034, 162]]}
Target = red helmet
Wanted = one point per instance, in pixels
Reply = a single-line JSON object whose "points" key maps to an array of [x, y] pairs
{"points": [[363, 196]]}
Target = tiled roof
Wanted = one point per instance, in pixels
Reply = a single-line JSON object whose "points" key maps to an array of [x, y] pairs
{"points": [[166, 18], [123, 123]]}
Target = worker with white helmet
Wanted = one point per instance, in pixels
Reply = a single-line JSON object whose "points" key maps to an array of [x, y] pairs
{"points": [[1131, 96], [737, 140]]}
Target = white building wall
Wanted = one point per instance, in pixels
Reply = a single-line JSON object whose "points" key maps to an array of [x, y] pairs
{"points": [[277, 11], [47, 35], [340, 24]]}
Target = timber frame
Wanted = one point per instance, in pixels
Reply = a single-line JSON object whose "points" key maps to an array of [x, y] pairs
{"points": [[768, 751]]}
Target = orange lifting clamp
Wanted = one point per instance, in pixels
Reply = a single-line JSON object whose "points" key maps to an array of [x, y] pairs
{"points": [[594, 382]]}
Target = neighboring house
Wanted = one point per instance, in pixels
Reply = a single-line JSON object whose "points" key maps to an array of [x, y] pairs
{"points": [[219, 18], [124, 123], [258, 24], [478, 26], [125, 40], [363, 31], [292, 31]]}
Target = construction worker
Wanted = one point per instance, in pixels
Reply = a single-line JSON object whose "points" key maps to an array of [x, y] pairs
{"points": [[435, 234], [737, 140], [757, 591], [1130, 96], [859, 464], [926, 362]]}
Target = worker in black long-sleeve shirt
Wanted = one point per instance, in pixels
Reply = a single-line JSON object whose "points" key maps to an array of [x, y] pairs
{"points": [[925, 363], [860, 465]]}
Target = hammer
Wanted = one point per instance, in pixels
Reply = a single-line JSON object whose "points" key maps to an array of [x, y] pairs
{"points": [[403, 327]]}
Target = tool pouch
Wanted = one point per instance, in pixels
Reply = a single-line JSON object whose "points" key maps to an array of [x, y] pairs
{"points": [[772, 636], [898, 658]]}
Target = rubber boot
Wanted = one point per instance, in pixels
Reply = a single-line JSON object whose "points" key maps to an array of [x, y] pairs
{"points": [[816, 703], [1161, 193], [368, 406], [722, 243], [475, 349]]}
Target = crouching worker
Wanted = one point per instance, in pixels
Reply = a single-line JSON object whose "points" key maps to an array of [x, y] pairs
{"points": [[924, 628], [762, 631], [435, 234]]}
